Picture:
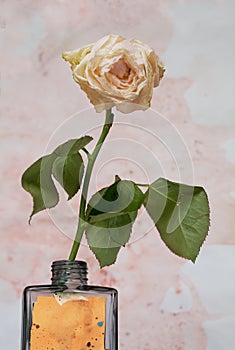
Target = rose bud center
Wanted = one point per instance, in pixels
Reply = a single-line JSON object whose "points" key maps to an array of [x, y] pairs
{"points": [[120, 69]]}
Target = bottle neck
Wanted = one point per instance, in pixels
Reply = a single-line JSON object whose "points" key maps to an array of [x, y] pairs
{"points": [[69, 272]]}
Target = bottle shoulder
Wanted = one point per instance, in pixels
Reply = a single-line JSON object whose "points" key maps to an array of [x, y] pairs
{"points": [[69, 289]]}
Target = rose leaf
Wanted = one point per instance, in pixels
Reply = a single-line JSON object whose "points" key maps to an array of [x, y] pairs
{"points": [[38, 182], [181, 215], [66, 165], [72, 146], [68, 171], [110, 216], [106, 235], [121, 196]]}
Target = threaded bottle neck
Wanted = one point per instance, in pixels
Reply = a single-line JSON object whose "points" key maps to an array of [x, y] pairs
{"points": [[69, 272]]}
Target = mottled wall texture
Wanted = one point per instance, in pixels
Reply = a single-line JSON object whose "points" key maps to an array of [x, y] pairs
{"points": [[166, 303]]}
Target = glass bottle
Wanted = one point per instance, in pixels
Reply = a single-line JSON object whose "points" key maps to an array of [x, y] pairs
{"points": [[69, 314]]}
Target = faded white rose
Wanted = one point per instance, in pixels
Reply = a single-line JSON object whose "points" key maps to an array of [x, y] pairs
{"points": [[116, 72]]}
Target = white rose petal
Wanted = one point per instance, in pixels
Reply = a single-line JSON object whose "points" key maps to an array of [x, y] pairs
{"points": [[116, 72]]}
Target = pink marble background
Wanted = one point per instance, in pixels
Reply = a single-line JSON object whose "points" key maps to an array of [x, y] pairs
{"points": [[166, 303]]}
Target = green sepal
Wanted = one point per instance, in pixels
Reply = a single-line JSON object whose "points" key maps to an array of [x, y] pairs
{"points": [[110, 216], [181, 215]]}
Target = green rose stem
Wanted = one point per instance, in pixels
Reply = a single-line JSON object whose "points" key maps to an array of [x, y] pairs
{"points": [[83, 201]]}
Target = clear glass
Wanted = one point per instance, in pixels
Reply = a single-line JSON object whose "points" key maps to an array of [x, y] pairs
{"points": [[69, 314]]}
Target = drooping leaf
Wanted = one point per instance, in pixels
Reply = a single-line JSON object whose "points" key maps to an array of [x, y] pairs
{"points": [[68, 171], [38, 182], [65, 164], [106, 235], [111, 213], [181, 215], [72, 146], [68, 167]]}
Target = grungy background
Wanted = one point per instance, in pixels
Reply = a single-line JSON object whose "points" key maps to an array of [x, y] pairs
{"points": [[166, 303]]}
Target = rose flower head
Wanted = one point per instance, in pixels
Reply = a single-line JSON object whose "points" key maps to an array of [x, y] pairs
{"points": [[116, 72]]}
